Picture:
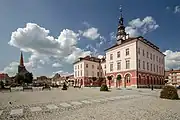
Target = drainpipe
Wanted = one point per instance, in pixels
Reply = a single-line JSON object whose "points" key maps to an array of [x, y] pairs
{"points": [[137, 77]]}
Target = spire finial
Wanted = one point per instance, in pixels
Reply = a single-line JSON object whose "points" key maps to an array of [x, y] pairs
{"points": [[121, 18], [120, 8], [21, 59]]}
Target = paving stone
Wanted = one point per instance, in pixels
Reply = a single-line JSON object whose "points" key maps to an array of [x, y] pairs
{"points": [[65, 104], [52, 106], [103, 99], [16, 112], [85, 101], [1, 112], [95, 100], [110, 99], [35, 109], [76, 103]]}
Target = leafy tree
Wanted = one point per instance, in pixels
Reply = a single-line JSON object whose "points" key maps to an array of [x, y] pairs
{"points": [[119, 79], [109, 78], [28, 78], [94, 79], [19, 78], [1, 84]]}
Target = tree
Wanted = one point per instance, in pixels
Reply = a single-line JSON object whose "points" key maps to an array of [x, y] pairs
{"points": [[94, 79], [28, 78], [19, 78], [119, 79], [1, 84], [109, 78]]}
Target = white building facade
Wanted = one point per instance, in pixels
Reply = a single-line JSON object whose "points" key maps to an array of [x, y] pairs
{"points": [[88, 68], [137, 61]]}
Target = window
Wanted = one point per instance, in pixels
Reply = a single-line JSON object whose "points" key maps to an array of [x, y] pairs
{"points": [[139, 50], [118, 54], [154, 67], [81, 65], [147, 66], [101, 74], [75, 73], [78, 66], [98, 67], [111, 67], [75, 67], [92, 73], [98, 74], [92, 66], [104, 66], [127, 51], [157, 58], [151, 56], [143, 64], [147, 55], [81, 72], [86, 65], [157, 68], [118, 65], [78, 74], [143, 52], [151, 67], [105, 73], [87, 73], [127, 64], [139, 63], [111, 56]]}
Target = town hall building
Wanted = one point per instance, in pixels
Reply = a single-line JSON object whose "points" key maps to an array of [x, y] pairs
{"points": [[137, 61]]}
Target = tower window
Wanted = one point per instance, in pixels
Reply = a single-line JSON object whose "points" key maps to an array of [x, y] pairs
{"points": [[111, 56], [118, 54], [127, 51]]}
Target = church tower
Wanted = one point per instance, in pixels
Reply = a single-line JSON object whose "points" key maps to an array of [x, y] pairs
{"points": [[21, 67], [121, 33]]}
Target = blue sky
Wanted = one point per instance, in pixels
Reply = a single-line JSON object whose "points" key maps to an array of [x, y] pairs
{"points": [[82, 25]]}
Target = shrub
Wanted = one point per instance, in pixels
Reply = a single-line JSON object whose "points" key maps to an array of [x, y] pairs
{"points": [[64, 86], [169, 92], [104, 87]]}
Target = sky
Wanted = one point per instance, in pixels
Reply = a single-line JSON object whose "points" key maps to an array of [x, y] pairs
{"points": [[54, 33]]}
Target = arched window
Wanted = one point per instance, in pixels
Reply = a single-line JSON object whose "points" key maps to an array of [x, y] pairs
{"points": [[128, 78]]}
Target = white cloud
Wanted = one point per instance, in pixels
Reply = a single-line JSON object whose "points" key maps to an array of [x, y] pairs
{"points": [[94, 51], [100, 56], [62, 73], [172, 59], [102, 40], [91, 33], [167, 8], [177, 9], [139, 27], [12, 68], [86, 24], [56, 65], [45, 49]]}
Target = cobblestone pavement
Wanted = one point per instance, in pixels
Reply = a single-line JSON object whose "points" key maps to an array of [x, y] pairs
{"points": [[116, 105]]}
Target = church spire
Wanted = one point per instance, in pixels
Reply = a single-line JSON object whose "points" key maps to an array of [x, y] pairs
{"points": [[21, 60], [121, 20], [121, 33]]}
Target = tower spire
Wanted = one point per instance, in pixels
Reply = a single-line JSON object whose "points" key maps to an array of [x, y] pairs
{"points": [[21, 60], [121, 33], [121, 20]]}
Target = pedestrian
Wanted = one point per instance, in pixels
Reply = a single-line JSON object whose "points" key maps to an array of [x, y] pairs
{"points": [[151, 87], [91, 84]]}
